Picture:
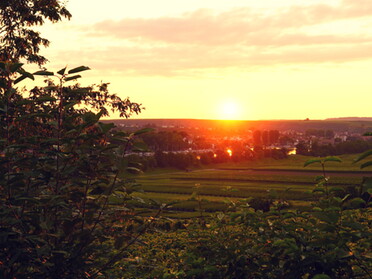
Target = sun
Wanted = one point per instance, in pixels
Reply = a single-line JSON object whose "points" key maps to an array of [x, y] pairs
{"points": [[229, 110]]}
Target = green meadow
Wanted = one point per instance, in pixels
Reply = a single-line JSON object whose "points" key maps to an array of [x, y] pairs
{"points": [[216, 187]]}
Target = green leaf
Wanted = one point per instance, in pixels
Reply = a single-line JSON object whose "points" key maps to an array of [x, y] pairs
{"points": [[46, 99], [363, 156], [73, 77], [119, 242], [332, 159], [106, 127], [330, 217], [14, 67], [345, 198], [369, 134], [142, 131], [3, 83], [354, 225], [78, 69], [120, 140], [97, 191], [366, 164], [357, 202], [90, 118], [62, 71], [321, 276], [139, 147], [312, 161], [336, 189], [24, 76], [133, 170], [60, 252], [367, 183], [20, 79], [70, 105], [135, 165], [318, 189], [43, 73], [319, 178]]}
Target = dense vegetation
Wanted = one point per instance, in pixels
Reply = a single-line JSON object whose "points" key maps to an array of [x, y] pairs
{"points": [[332, 239], [321, 150], [66, 202], [60, 185], [326, 243], [61, 189]]}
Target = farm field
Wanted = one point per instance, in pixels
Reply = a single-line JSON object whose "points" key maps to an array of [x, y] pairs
{"points": [[294, 162], [213, 188]]}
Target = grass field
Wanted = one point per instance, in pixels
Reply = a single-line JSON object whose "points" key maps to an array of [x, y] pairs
{"points": [[294, 163], [212, 188]]}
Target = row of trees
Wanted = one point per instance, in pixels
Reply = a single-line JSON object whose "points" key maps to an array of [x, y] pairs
{"points": [[347, 147], [265, 138], [166, 140], [187, 160], [175, 140]]}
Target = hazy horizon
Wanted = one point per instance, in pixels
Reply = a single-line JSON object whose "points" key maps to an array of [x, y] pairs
{"points": [[352, 118]]}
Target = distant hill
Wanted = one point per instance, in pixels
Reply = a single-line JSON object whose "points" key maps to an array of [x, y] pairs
{"points": [[350, 119], [357, 125]]}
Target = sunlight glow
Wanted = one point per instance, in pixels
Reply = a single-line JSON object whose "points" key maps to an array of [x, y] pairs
{"points": [[292, 151], [229, 151], [230, 111]]}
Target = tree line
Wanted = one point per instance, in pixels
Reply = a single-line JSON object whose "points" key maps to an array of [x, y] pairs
{"points": [[346, 147]]}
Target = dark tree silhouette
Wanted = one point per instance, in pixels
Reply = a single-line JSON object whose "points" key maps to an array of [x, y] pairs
{"points": [[18, 39]]}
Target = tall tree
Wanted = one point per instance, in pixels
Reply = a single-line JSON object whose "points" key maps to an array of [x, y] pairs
{"points": [[18, 39], [61, 183], [64, 210], [265, 138], [257, 138], [273, 136]]}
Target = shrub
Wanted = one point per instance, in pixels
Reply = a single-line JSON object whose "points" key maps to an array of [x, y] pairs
{"points": [[64, 202]]}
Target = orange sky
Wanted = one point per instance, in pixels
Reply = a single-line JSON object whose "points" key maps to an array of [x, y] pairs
{"points": [[220, 59]]}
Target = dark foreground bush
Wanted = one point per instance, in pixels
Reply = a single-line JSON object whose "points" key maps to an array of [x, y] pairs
{"points": [[327, 242], [62, 193]]}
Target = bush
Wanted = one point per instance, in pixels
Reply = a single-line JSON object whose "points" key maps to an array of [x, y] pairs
{"points": [[327, 242], [62, 193], [330, 240]]}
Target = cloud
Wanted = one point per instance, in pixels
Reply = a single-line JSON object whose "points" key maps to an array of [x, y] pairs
{"points": [[231, 27], [185, 60], [238, 38]]}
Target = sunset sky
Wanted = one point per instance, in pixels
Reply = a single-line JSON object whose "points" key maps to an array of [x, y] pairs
{"points": [[216, 59]]}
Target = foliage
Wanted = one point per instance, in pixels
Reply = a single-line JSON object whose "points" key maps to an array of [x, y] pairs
{"points": [[328, 241], [366, 187], [65, 210], [322, 180], [18, 39], [331, 240], [176, 160], [166, 140], [364, 156]]}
